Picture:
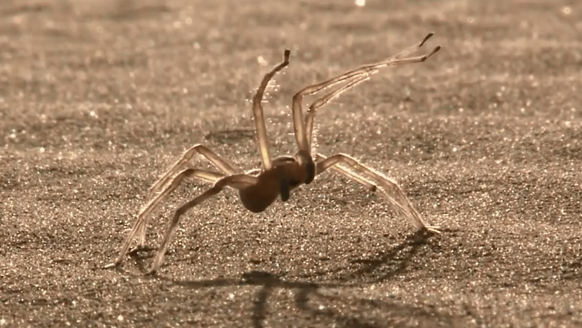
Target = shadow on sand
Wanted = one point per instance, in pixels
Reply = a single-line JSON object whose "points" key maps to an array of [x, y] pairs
{"points": [[318, 301]]}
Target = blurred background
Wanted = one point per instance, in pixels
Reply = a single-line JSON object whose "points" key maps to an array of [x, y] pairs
{"points": [[197, 61]]}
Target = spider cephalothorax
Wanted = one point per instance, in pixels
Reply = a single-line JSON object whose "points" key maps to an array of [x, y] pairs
{"points": [[279, 176]]}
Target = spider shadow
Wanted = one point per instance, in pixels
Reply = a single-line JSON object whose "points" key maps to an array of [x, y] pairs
{"points": [[306, 293], [396, 259]]}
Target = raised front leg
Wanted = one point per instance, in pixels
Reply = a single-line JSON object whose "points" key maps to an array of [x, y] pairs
{"points": [[359, 74]]}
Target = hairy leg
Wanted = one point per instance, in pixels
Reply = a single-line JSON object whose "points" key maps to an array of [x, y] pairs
{"points": [[205, 152], [263, 141], [142, 218], [365, 70], [389, 189], [309, 118], [236, 181]]}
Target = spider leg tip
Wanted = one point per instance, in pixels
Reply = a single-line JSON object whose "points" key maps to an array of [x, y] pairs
{"points": [[428, 36], [432, 230], [434, 51], [113, 265]]}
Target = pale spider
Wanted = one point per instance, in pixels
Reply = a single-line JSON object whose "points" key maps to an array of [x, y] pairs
{"points": [[259, 188]]}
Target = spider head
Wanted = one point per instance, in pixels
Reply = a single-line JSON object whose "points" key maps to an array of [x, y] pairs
{"points": [[285, 190], [306, 162], [285, 187], [309, 172], [290, 175]]}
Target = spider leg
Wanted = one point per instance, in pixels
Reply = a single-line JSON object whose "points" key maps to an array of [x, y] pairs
{"points": [[263, 141], [206, 152], [365, 70], [238, 181], [349, 174], [415, 47], [389, 189], [139, 227], [309, 118]]}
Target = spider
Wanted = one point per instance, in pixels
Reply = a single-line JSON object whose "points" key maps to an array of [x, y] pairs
{"points": [[259, 188]]}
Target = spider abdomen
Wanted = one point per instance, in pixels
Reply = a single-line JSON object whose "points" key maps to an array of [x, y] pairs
{"points": [[258, 197]]}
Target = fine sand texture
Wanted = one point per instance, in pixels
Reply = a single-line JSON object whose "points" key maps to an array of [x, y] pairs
{"points": [[99, 97]]}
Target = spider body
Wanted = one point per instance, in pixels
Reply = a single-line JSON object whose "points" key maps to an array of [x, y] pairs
{"points": [[259, 188], [286, 175]]}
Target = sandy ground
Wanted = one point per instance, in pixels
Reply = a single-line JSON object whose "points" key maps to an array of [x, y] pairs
{"points": [[97, 98]]}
